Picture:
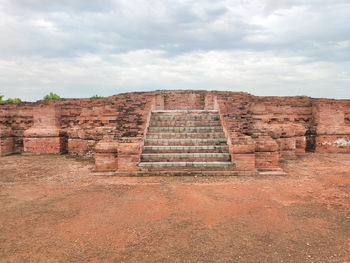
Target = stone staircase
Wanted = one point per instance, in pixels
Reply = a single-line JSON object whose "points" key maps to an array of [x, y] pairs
{"points": [[186, 141]]}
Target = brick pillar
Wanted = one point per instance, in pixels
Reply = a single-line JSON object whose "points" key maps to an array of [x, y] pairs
{"points": [[242, 149], [46, 135], [209, 101], [79, 144], [332, 133], [6, 141], [106, 156], [300, 138], [159, 102], [129, 154], [266, 153]]}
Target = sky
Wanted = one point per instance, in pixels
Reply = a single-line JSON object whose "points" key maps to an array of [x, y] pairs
{"points": [[79, 48]]}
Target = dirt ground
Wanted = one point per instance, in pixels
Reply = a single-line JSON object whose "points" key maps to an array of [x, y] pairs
{"points": [[52, 209]]}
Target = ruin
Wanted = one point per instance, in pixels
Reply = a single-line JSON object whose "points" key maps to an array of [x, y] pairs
{"points": [[178, 132]]}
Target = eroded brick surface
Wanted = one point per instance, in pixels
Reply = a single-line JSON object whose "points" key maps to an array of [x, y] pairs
{"points": [[268, 128], [6, 140]]}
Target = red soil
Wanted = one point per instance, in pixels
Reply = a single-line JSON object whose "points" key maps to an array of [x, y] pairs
{"points": [[52, 209]]}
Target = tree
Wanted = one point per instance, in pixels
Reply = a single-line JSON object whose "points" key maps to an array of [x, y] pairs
{"points": [[9, 99], [96, 97], [51, 96], [13, 100]]}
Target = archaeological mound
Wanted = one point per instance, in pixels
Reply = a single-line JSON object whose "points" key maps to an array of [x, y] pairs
{"points": [[181, 132]]}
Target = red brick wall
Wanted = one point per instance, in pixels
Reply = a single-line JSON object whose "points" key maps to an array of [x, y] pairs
{"points": [[87, 121], [184, 100], [331, 125]]}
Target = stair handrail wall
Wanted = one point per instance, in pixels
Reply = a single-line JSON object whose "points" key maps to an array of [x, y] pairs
{"points": [[241, 147]]}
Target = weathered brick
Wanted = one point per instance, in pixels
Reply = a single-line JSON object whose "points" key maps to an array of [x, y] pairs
{"points": [[252, 124], [6, 141], [106, 156], [266, 159], [244, 162], [333, 143]]}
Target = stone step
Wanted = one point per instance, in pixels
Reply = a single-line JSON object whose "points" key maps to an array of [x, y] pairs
{"points": [[273, 173], [188, 171], [185, 117], [185, 141], [186, 164], [188, 157], [186, 129], [184, 135], [184, 149], [184, 123], [212, 141], [184, 112]]}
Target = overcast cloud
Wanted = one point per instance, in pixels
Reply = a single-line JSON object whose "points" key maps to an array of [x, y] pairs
{"points": [[78, 48]]}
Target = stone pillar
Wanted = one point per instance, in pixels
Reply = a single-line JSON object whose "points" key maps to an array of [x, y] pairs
{"points": [[6, 140], [129, 154], [106, 156], [46, 135]]}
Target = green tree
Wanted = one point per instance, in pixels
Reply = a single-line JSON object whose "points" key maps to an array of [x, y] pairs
{"points": [[13, 100], [9, 99], [96, 97], [51, 96]]}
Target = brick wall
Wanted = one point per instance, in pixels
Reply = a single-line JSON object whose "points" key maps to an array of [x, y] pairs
{"points": [[85, 121], [293, 123], [184, 100]]}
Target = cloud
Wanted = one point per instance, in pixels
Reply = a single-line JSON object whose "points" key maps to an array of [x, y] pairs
{"points": [[261, 73], [261, 46]]}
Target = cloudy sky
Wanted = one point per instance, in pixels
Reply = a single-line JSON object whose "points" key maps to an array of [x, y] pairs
{"points": [[78, 48]]}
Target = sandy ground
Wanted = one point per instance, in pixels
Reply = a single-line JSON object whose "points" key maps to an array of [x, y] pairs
{"points": [[52, 209]]}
